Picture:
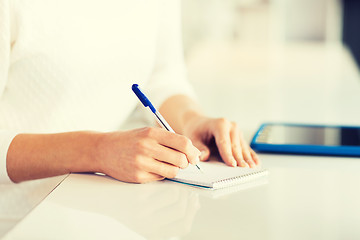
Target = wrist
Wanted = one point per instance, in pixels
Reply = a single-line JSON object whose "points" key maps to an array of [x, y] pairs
{"points": [[102, 145], [193, 115], [191, 120], [86, 146]]}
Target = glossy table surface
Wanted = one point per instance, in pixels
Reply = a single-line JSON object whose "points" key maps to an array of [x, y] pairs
{"points": [[304, 197]]}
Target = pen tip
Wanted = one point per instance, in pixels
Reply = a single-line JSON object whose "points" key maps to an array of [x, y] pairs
{"points": [[199, 168]]}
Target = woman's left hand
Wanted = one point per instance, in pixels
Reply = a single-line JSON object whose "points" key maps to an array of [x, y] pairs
{"points": [[229, 140]]}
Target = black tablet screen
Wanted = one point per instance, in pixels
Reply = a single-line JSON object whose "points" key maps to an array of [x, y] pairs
{"points": [[310, 135]]}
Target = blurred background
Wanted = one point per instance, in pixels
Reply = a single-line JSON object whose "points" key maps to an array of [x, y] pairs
{"points": [[271, 22], [277, 55]]}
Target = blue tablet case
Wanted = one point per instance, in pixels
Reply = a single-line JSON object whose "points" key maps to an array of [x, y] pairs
{"points": [[351, 151]]}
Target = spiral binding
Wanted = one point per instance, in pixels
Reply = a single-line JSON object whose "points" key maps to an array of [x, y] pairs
{"points": [[239, 179]]}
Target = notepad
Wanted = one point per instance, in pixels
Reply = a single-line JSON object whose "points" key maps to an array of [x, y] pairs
{"points": [[218, 175]]}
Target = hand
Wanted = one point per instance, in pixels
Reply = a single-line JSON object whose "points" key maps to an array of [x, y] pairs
{"points": [[144, 155], [228, 138]]}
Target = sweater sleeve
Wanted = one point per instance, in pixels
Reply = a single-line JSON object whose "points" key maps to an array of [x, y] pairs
{"points": [[169, 74], [6, 136]]}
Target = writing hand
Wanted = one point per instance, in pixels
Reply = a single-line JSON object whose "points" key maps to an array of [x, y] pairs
{"points": [[144, 155]]}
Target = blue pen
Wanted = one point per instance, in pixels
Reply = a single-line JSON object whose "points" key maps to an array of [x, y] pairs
{"points": [[146, 102]]}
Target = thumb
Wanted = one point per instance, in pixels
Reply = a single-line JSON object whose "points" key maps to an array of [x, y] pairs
{"points": [[205, 151]]}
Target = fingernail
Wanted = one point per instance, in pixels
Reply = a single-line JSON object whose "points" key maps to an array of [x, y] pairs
{"points": [[245, 164], [199, 152], [234, 163], [241, 163], [202, 154]]}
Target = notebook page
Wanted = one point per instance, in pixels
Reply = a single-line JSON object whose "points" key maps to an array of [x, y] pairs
{"points": [[216, 174]]}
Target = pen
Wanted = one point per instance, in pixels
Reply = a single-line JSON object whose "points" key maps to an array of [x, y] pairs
{"points": [[146, 102]]}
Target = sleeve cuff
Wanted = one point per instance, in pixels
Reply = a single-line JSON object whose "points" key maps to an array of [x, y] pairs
{"points": [[6, 138]]}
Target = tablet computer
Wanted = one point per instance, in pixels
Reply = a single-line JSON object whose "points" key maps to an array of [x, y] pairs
{"points": [[307, 139]]}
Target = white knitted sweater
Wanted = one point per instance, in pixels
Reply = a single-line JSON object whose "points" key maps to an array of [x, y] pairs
{"points": [[69, 65]]}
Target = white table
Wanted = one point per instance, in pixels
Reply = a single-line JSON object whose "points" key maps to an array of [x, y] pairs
{"points": [[306, 197]]}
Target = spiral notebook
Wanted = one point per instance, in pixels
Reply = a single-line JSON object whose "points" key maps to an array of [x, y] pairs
{"points": [[217, 175]]}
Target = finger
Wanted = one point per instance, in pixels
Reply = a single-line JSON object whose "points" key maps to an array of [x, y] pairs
{"points": [[204, 150], [169, 155], [179, 143], [255, 157], [236, 146], [160, 168], [246, 153], [223, 142]]}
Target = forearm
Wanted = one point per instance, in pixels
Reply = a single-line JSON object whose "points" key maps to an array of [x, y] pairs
{"points": [[33, 156], [178, 110]]}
